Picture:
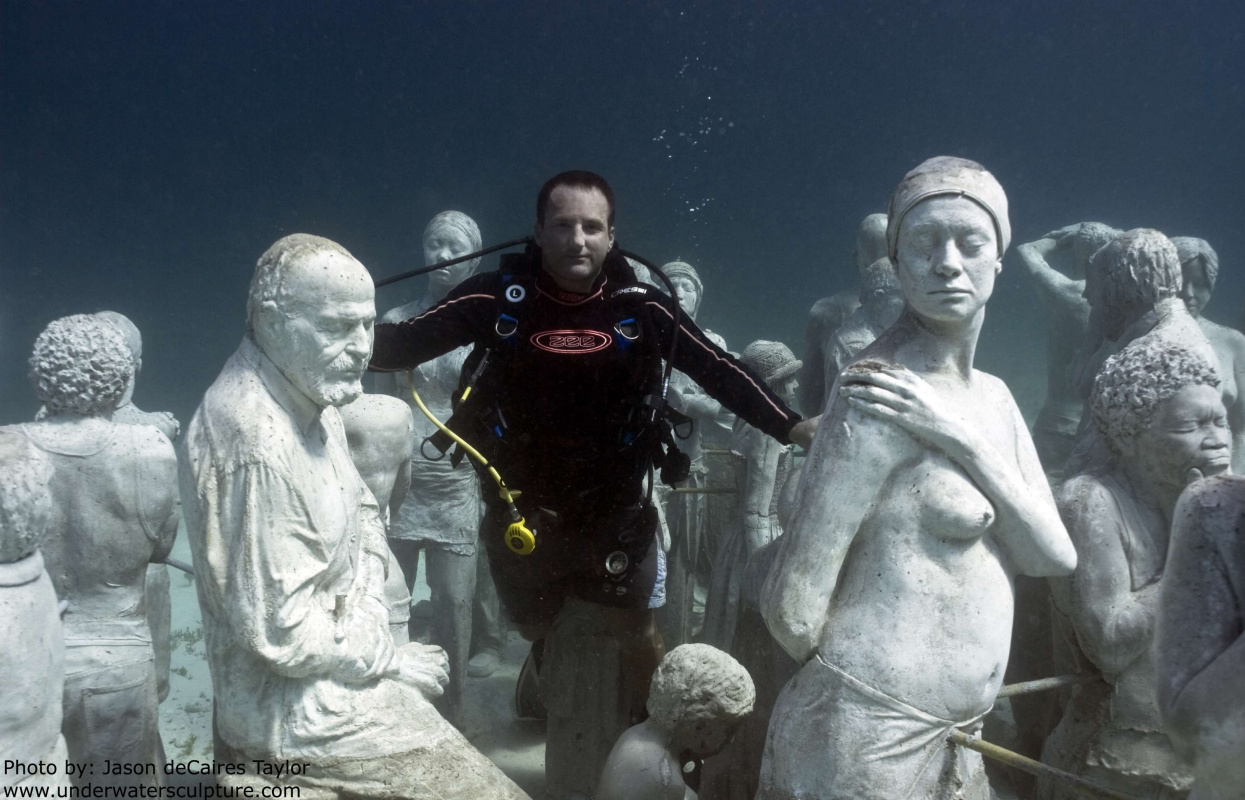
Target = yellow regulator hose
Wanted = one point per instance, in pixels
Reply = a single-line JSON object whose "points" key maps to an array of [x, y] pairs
{"points": [[519, 538]]}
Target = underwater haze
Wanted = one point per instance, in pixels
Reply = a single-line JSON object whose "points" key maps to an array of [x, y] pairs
{"points": [[150, 151]]}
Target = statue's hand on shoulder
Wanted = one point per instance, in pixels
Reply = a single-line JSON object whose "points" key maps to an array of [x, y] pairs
{"points": [[424, 666], [900, 396]]}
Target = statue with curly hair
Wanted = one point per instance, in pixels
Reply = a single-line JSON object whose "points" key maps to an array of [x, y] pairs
{"points": [[114, 512], [32, 646], [1157, 407], [700, 695]]}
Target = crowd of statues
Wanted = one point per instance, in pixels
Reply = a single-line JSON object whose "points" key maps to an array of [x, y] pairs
{"points": [[837, 626]]}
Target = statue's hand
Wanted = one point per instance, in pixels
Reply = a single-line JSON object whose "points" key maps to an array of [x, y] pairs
{"points": [[424, 666], [904, 398], [169, 424]]}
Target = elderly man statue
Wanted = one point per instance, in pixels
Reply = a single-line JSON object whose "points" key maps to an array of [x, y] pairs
{"points": [[290, 555]]}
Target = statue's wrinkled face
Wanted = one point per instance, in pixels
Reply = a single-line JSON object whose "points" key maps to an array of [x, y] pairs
{"points": [[947, 259], [1189, 432], [441, 244], [689, 295], [1196, 289], [321, 337]]}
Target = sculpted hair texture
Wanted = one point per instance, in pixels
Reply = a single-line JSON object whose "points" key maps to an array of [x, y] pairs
{"points": [[128, 329], [1189, 248], [273, 267], [1132, 383], [25, 502], [1140, 266], [456, 222], [698, 682], [81, 364], [578, 179]]}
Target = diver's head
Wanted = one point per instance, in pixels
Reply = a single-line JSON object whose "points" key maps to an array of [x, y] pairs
{"points": [[311, 309], [1128, 277], [574, 228], [1199, 267], [81, 365], [450, 234], [870, 241], [687, 284]]}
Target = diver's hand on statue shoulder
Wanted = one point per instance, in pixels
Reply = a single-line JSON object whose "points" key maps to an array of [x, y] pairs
{"points": [[802, 432], [424, 666]]}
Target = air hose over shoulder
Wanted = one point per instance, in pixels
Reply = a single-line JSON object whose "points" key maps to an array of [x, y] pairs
{"points": [[519, 538]]}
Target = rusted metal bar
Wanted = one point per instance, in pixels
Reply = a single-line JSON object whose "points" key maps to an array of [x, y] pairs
{"points": [[1004, 756], [1045, 684], [705, 490]]}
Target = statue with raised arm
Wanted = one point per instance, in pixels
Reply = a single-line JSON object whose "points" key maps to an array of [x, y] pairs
{"points": [[764, 471], [1200, 636], [921, 499], [1056, 266], [700, 696], [114, 513], [1199, 268], [1157, 408], [290, 556], [32, 643], [829, 313]]}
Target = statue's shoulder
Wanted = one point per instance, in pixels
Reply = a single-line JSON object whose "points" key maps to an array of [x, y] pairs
{"points": [[378, 415]]}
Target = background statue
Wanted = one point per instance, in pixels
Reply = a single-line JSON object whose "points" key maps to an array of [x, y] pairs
{"points": [[1157, 407], [378, 431], [290, 555], [921, 498], [1199, 642], [114, 512], [1199, 267], [881, 303], [700, 695], [443, 519], [32, 644], [829, 313], [766, 467], [1056, 265]]}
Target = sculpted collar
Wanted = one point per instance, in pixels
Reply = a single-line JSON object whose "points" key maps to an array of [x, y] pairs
{"points": [[297, 405]]}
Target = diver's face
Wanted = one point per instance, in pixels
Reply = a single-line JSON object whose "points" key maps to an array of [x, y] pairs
{"points": [[575, 237], [321, 339], [689, 295], [1189, 432], [947, 259], [1195, 291], [443, 244]]}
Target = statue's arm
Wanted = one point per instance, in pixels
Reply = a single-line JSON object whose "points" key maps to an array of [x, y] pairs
{"points": [[274, 557], [1199, 645], [763, 454], [811, 392], [1059, 293], [1114, 625], [157, 490], [851, 458]]}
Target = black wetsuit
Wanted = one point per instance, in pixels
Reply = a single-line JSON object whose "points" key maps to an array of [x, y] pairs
{"points": [[564, 381]]}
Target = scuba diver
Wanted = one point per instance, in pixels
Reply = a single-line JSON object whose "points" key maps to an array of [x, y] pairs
{"points": [[563, 394]]}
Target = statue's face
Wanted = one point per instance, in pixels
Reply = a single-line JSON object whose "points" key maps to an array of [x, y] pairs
{"points": [[575, 237], [1189, 432], [705, 737], [786, 389], [883, 305], [441, 244], [1195, 291], [689, 295], [948, 257], [321, 339]]}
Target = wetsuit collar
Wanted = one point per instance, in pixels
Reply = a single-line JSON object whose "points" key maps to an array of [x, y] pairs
{"points": [[546, 286]]}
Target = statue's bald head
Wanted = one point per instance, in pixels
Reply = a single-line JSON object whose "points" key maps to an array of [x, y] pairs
{"points": [[870, 241], [293, 268]]}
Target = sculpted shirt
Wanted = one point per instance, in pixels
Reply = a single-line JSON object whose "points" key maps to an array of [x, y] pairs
{"points": [[290, 554]]}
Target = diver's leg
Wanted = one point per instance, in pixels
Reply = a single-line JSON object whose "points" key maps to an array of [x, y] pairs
{"points": [[452, 578]]}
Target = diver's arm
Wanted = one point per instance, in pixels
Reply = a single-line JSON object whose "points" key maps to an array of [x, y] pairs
{"points": [[463, 317], [723, 376]]}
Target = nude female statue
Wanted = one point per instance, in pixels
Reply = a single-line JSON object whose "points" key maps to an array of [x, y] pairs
{"points": [[1199, 264], [1199, 644], [921, 499]]}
